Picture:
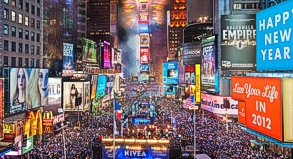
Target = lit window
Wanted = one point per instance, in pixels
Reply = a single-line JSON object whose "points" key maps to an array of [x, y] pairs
{"points": [[20, 19], [13, 17], [26, 21]]}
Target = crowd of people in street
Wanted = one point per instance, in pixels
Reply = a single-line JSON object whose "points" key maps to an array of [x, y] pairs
{"points": [[172, 122]]}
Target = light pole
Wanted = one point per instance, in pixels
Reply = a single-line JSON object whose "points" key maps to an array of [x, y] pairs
{"points": [[194, 131]]}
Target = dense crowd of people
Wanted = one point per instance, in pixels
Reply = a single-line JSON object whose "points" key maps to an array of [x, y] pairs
{"points": [[171, 121]]}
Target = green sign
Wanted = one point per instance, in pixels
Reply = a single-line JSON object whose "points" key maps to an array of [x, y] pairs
{"points": [[29, 145], [89, 52]]}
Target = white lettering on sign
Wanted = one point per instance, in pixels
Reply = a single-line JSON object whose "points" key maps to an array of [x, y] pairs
{"points": [[134, 153], [58, 119]]}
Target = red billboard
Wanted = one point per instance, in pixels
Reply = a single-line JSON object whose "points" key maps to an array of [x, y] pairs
{"points": [[144, 55], [263, 103]]}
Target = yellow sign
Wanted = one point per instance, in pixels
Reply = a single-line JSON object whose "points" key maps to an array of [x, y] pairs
{"points": [[33, 124], [48, 122], [288, 109], [197, 83]]}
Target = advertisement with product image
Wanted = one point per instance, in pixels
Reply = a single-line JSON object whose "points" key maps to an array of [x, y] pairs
{"points": [[54, 91], [67, 58], [76, 96], [110, 83], [106, 55], [144, 40], [101, 87], [144, 55], [28, 88], [89, 50], [170, 72]]}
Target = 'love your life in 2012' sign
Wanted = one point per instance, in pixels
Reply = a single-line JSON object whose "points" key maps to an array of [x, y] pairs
{"points": [[263, 103]]}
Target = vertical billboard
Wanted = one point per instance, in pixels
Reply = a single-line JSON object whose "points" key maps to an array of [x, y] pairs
{"points": [[192, 53], [169, 89], [54, 91], [144, 40], [170, 73], [106, 55], [28, 88], [144, 77], [89, 52], [87, 95], [110, 83], [144, 55], [101, 87], [143, 28], [67, 59], [238, 42], [1, 108], [94, 86], [143, 7], [263, 103], [73, 96], [143, 18], [288, 109], [144, 68], [181, 72], [197, 83], [29, 145], [241, 112], [209, 77], [274, 37]]}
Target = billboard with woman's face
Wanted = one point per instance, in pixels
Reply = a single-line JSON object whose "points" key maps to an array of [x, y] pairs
{"points": [[28, 88]]}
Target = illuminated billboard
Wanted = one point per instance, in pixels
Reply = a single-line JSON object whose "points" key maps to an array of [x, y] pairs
{"points": [[169, 90], [67, 59], [181, 72], [144, 40], [143, 28], [263, 103], [288, 109], [110, 83], [170, 73], [274, 37], [143, 7], [197, 82], [144, 68], [144, 77], [106, 55], [216, 104], [76, 96], [143, 17], [192, 53], [101, 87], [89, 52], [144, 55], [54, 91], [241, 112], [238, 42], [94, 86], [209, 78], [28, 88], [1, 108]]}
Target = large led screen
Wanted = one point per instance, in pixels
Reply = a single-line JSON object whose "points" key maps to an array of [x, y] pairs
{"points": [[274, 37], [192, 53], [110, 83], [54, 91], [144, 55], [144, 40], [94, 86], [101, 87], [170, 73], [107, 54], [68, 56], [238, 42], [87, 95], [144, 68], [89, 52], [143, 28], [28, 88], [1, 108]]}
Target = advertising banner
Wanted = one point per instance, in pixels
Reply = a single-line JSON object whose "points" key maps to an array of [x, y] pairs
{"points": [[67, 58], [117, 56], [143, 7], [144, 153], [1, 108], [28, 88], [29, 145], [215, 104], [170, 73], [89, 52], [143, 17], [169, 90], [144, 77], [238, 42], [144, 68], [181, 72], [106, 55], [144, 40], [110, 83], [192, 53], [144, 55], [263, 103], [101, 87], [192, 78], [274, 37], [94, 86], [189, 68], [33, 124], [143, 28], [76, 96], [87, 95], [209, 76], [288, 109], [241, 112], [48, 122], [54, 91], [197, 83], [187, 78]]}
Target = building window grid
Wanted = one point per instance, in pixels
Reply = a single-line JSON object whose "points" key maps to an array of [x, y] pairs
{"points": [[13, 46], [20, 62], [26, 49], [32, 49], [20, 18], [13, 31], [26, 35], [20, 47], [20, 4], [6, 29], [6, 13], [20, 33], [13, 16], [6, 45]]}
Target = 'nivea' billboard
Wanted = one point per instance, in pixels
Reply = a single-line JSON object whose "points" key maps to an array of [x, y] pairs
{"points": [[274, 37]]}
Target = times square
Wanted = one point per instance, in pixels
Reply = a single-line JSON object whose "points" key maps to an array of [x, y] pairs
{"points": [[224, 92]]}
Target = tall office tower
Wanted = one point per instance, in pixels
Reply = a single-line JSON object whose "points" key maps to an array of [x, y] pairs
{"points": [[21, 42], [98, 20], [178, 21], [81, 25]]}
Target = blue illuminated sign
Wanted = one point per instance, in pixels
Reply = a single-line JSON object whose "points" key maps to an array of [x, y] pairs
{"points": [[143, 28], [170, 73], [169, 90], [274, 37], [101, 86], [144, 68]]}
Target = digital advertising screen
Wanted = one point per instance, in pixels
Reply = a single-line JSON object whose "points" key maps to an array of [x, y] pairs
{"points": [[181, 72], [94, 86], [144, 77], [238, 42], [209, 76], [89, 52], [143, 7], [144, 68], [68, 59], [73, 96], [274, 37], [169, 90], [192, 78], [215, 104], [288, 109], [1, 107], [263, 103], [170, 73], [192, 53], [87, 95], [187, 78], [54, 96], [144, 40], [143, 28], [143, 17], [144, 55], [107, 54], [102, 85], [28, 88], [110, 83]]}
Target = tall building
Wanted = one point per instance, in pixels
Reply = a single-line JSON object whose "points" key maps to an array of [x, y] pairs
{"points": [[264, 4], [199, 11], [21, 40], [178, 21]]}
